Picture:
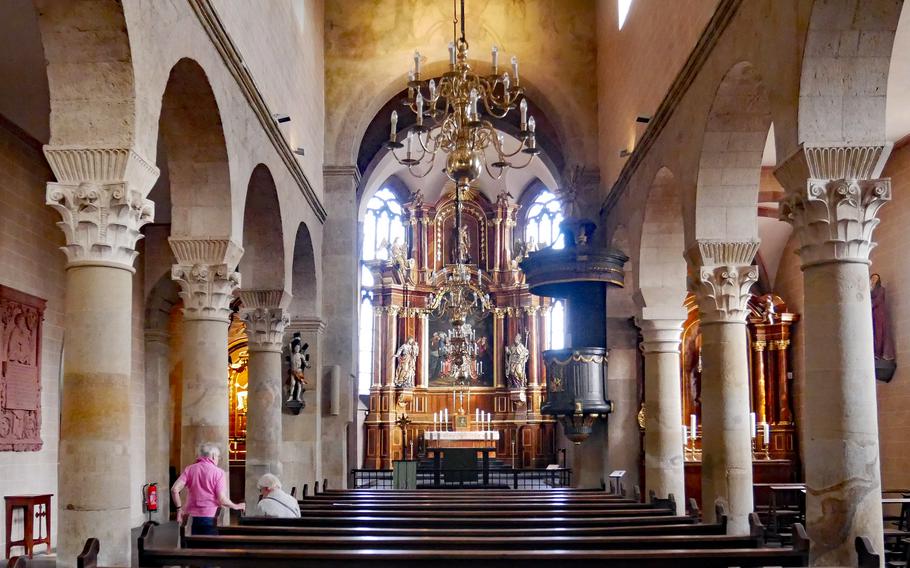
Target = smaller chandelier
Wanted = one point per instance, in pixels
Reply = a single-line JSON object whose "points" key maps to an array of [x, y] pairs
{"points": [[458, 295], [450, 118]]}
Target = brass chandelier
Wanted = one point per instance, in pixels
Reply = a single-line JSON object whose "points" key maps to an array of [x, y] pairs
{"points": [[451, 117]]}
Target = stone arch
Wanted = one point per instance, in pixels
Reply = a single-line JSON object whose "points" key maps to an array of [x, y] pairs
{"points": [[729, 169], [661, 266], [195, 160], [304, 287], [263, 242], [90, 73], [160, 303], [844, 78]]}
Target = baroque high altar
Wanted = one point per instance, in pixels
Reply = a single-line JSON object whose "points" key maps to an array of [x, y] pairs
{"points": [[402, 404]]}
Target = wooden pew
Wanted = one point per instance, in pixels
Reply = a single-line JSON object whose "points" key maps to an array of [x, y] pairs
{"points": [[531, 558], [466, 522], [326, 512], [866, 556]]}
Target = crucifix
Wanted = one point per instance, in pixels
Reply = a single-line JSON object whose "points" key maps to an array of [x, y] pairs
{"points": [[403, 422]]}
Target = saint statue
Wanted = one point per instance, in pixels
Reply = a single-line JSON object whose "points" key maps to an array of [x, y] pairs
{"points": [[406, 368], [770, 312], [881, 330], [516, 358], [298, 360], [463, 240]]}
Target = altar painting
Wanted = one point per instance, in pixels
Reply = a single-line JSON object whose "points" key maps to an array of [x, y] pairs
{"points": [[480, 368]]}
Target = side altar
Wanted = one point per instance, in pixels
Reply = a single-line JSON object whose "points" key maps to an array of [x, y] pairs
{"points": [[488, 360]]}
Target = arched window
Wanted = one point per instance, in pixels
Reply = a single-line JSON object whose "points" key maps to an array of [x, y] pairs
{"points": [[623, 7], [383, 222], [542, 225], [543, 219]]}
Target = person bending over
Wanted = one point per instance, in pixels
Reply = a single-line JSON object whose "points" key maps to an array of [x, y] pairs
{"points": [[206, 492], [274, 501]]}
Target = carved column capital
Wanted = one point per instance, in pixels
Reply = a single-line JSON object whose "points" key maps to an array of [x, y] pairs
{"points": [[264, 314], [100, 194], [723, 276], [205, 271], [834, 218]]}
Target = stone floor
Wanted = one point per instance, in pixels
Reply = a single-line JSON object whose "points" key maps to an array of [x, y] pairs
{"points": [[166, 536]]}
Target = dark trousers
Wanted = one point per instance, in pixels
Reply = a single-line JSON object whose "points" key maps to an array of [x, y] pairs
{"points": [[204, 526]]}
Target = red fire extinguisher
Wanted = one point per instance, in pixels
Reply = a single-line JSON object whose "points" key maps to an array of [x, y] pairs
{"points": [[150, 498]]}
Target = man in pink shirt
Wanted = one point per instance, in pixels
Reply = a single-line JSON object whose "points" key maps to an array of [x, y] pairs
{"points": [[206, 491]]}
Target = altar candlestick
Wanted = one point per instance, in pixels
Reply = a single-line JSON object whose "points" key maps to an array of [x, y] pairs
{"points": [[445, 420], [477, 416], [752, 424], [766, 431], [692, 426], [685, 435], [435, 422]]}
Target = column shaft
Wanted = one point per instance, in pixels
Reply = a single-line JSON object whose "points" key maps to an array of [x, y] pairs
{"points": [[94, 490], [841, 417], [263, 425], [664, 461], [726, 438], [205, 388], [158, 414]]}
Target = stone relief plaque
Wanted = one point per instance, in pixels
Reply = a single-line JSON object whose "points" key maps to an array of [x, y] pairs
{"points": [[20, 370]]}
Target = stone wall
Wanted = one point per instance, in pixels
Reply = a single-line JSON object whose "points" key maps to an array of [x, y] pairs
{"points": [[890, 261], [31, 261]]}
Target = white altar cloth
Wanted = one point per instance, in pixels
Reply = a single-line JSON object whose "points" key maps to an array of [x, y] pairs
{"points": [[468, 436]]}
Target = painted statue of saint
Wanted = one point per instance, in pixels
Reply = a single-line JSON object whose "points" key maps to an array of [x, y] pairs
{"points": [[407, 363], [461, 238], [881, 330], [298, 360], [516, 359]]}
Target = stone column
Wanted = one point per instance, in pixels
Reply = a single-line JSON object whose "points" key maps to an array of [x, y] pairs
{"points": [[157, 414], [341, 307], [265, 317], [721, 286], [833, 215], [305, 453], [207, 279], [100, 194], [664, 473]]}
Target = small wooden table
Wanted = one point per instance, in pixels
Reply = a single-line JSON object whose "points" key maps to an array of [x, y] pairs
{"points": [[32, 506]]}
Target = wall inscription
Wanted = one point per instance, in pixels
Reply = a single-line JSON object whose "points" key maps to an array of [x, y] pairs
{"points": [[20, 370]]}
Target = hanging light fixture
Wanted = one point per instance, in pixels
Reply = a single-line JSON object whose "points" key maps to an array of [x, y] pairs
{"points": [[451, 117]]}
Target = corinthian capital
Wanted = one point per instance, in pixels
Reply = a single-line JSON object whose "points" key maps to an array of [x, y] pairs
{"points": [[724, 275], [265, 317], [834, 219], [100, 194], [205, 271]]}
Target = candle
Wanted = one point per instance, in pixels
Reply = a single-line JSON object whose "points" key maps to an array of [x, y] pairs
{"points": [[435, 421], [766, 433], [394, 129], [532, 124], [445, 418], [452, 53], [477, 417], [752, 423], [474, 98], [515, 68], [685, 434], [495, 59], [419, 113], [692, 426], [523, 107], [432, 90], [416, 63]]}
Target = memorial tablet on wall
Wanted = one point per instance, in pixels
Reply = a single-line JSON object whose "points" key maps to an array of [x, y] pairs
{"points": [[20, 370]]}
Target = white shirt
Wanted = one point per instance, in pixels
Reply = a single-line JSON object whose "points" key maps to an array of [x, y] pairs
{"points": [[279, 504]]}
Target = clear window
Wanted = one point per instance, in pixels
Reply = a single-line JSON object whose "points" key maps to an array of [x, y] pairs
{"points": [[623, 11], [542, 221], [383, 222]]}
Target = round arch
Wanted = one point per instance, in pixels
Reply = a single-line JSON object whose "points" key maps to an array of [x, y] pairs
{"points": [[661, 264], [304, 286], [263, 242], [729, 168], [90, 73], [193, 155]]}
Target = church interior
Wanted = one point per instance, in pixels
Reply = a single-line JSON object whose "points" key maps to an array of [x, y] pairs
{"points": [[458, 276]]}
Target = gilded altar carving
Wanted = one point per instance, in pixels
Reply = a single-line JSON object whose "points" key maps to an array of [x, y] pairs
{"points": [[20, 370]]}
